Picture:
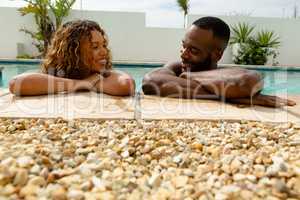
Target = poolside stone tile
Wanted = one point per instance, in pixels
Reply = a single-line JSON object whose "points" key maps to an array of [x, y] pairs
{"points": [[169, 108], [91, 105], [75, 105]]}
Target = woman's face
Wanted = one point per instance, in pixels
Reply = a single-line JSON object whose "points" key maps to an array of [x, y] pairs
{"points": [[94, 52]]}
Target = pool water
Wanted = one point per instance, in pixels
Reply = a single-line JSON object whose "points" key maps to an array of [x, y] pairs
{"points": [[281, 81], [276, 81]]}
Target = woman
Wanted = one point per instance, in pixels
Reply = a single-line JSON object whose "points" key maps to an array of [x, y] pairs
{"points": [[78, 59]]}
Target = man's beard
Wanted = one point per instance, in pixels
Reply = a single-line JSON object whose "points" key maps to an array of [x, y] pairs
{"points": [[197, 66]]}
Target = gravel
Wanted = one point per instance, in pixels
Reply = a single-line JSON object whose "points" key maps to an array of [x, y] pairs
{"points": [[166, 159]]}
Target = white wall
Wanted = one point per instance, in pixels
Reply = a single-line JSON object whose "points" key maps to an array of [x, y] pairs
{"points": [[11, 22], [130, 40]]}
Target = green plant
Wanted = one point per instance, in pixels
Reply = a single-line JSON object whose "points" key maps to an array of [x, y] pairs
{"points": [[61, 9], [254, 50], [184, 6], [252, 53], [268, 39], [42, 10], [241, 33], [25, 56]]}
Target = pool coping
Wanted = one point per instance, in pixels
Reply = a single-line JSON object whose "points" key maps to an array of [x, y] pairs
{"points": [[68, 106], [263, 67], [133, 64]]}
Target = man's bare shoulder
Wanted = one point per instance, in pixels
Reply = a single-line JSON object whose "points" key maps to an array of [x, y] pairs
{"points": [[234, 70], [168, 68]]}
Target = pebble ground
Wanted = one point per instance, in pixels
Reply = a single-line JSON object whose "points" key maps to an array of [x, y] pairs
{"points": [[123, 159]]}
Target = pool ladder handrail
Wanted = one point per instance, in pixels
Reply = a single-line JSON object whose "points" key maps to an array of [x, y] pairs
{"points": [[137, 107]]}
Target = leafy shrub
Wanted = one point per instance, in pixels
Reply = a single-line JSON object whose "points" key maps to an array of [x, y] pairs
{"points": [[48, 16], [254, 50]]}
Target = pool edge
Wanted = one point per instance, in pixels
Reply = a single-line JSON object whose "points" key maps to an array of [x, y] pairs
{"points": [[125, 63]]}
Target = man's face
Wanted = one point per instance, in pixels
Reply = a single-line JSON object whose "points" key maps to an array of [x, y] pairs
{"points": [[197, 50]]}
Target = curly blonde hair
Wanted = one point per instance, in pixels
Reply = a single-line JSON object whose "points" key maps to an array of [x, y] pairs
{"points": [[64, 54]]}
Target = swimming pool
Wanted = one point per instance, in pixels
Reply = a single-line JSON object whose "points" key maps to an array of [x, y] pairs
{"points": [[277, 81]]}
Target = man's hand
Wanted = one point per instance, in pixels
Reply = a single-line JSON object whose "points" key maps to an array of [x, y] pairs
{"points": [[264, 100], [272, 101]]}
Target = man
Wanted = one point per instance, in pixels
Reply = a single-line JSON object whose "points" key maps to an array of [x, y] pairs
{"points": [[197, 75]]}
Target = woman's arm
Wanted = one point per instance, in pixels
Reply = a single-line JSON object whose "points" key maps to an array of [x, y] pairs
{"points": [[116, 83], [39, 84]]}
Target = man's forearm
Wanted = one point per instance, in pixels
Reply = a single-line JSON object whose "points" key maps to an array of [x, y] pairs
{"points": [[232, 88], [241, 85], [188, 93], [172, 86]]}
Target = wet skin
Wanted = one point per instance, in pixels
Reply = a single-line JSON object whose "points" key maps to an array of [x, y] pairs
{"points": [[197, 75]]}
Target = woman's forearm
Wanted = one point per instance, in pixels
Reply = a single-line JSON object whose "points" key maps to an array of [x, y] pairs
{"points": [[39, 84]]}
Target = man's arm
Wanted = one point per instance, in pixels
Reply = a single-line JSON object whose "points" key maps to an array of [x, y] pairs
{"points": [[165, 82], [39, 84], [263, 100], [228, 82], [237, 85]]}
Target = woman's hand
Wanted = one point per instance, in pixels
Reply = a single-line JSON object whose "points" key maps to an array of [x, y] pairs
{"points": [[117, 84], [88, 83]]}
